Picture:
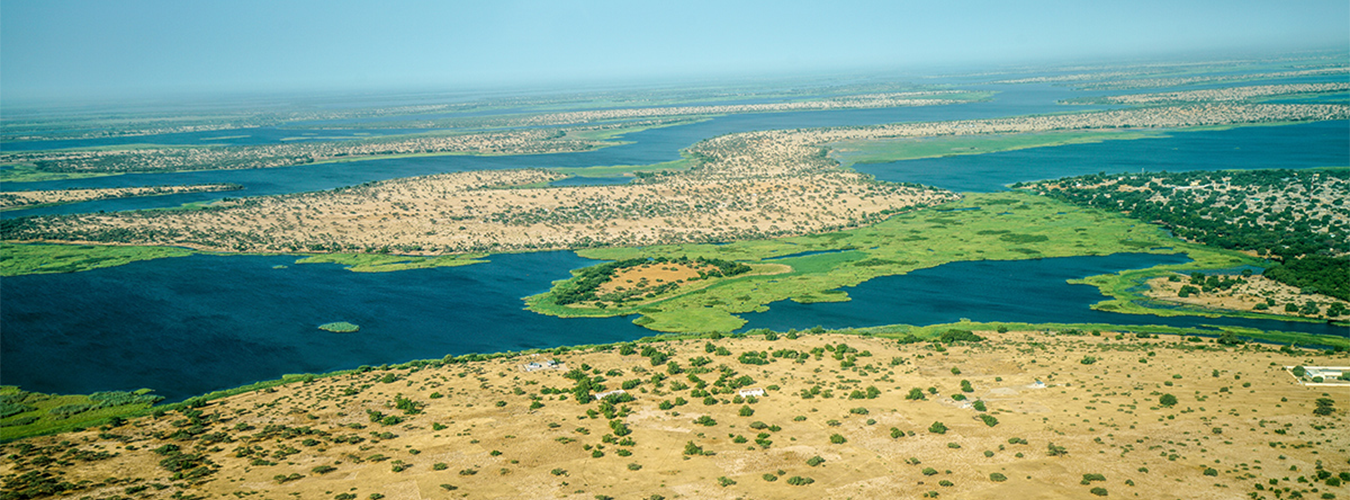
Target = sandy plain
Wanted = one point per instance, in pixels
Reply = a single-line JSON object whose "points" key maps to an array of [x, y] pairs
{"points": [[489, 429]]}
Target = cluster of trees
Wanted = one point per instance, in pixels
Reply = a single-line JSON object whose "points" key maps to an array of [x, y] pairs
{"points": [[586, 284], [1299, 217], [1315, 274]]}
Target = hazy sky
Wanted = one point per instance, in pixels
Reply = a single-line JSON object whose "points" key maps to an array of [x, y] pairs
{"points": [[88, 48]]}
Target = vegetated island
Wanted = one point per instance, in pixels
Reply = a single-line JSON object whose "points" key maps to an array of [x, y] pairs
{"points": [[18, 200], [340, 327], [1301, 218], [895, 412]]}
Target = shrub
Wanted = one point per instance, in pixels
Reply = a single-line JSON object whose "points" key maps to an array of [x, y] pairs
{"points": [[937, 428], [837, 439], [1099, 491], [800, 481], [705, 421], [747, 411], [770, 477], [1089, 478], [1167, 400], [1056, 451], [815, 461], [323, 469], [989, 420], [725, 481], [997, 477], [929, 471], [692, 449]]}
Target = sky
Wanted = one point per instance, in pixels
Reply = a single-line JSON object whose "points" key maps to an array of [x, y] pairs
{"points": [[87, 49]]}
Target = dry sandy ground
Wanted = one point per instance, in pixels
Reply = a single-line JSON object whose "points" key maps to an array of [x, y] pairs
{"points": [[1240, 420], [752, 185], [20, 199], [1242, 296]]}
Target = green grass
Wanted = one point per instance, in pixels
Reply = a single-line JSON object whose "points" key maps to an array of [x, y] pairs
{"points": [[39, 421], [20, 259], [888, 150], [378, 263], [1009, 226]]}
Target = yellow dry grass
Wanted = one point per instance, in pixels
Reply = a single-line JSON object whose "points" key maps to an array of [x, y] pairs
{"points": [[1239, 413]]}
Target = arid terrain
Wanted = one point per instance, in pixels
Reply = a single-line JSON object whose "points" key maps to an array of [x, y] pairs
{"points": [[1066, 415], [11, 200], [742, 186]]}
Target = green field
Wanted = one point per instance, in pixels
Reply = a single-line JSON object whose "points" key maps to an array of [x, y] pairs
{"points": [[31, 414], [21, 259], [1041, 227]]}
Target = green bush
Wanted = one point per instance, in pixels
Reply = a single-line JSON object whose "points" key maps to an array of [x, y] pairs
{"points": [[997, 477], [937, 428]]}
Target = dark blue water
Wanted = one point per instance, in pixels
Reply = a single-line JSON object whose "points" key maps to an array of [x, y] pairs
{"points": [[1318, 144], [1029, 291], [191, 325], [187, 326]]}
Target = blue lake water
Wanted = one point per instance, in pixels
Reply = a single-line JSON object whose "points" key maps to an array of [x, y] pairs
{"points": [[1307, 145], [186, 326], [1031, 291]]}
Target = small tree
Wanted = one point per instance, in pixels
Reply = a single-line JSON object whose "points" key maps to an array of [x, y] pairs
{"points": [[1167, 400], [937, 428], [1056, 451]]}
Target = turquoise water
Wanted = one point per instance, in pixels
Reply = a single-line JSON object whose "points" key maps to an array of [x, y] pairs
{"points": [[1307, 145]]}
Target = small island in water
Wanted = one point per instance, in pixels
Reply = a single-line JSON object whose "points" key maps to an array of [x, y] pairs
{"points": [[340, 327]]}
